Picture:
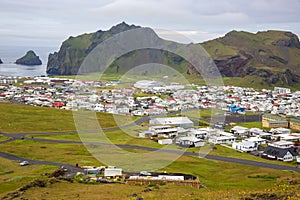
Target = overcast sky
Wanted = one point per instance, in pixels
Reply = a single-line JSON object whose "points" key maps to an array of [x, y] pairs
{"points": [[49, 22]]}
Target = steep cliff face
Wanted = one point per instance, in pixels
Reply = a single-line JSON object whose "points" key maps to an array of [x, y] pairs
{"points": [[73, 51], [29, 59], [273, 56], [270, 55]]}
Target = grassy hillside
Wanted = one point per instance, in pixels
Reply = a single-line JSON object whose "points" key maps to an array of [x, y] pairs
{"points": [[221, 179], [269, 58], [26, 119]]}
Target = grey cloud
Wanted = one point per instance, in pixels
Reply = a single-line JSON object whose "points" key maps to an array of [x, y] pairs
{"points": [[58, 19]]}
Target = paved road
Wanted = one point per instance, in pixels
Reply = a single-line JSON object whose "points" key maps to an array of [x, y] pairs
{"points": [[212, 157], [231, 118], [39, 162], [139, 121]]}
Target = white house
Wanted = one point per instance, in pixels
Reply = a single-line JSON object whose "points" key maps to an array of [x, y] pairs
{"points": [[98, 107], [282, 144], [256, 140], [189, 141], [166, 131], [112, 172], [198, 133], [256, 131], [287, 137], [183, 122], [146, 133], [239, 131], [280, 130], [165, 141], [158, 177], [222, 139], [244, 146], [281, 90]]}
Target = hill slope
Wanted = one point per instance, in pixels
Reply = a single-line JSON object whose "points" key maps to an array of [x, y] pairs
{"points": [[73, 50], [267, 58], [270, 55]]}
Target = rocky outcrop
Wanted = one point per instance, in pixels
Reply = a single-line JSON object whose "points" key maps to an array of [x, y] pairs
{"points": [[1, 61], [273, 56], [29, 59], [73, 51], [270, 55]]}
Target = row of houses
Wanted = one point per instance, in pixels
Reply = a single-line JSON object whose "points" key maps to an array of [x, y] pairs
{"points": [[111, 174], [159, 97], [280, 143], [181, 131]]}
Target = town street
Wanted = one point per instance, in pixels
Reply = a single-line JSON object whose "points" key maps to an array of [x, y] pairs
{"points": [[211, 157]]}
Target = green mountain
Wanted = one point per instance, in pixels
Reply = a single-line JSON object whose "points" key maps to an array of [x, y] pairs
{"points": [[74, 50], [270, 56], [30, 58], [263, 59]]}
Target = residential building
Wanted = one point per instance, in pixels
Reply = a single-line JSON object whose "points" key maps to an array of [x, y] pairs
{"points": [[295, 124], [165, 131], [189, 141], [239, 131], [222, 139], [257, 140], [281, 90], [183, 122], [245, 146], [280, 130], [274, 121], [112, 172], [286, 137], [165, 141], [282, 144], [277, 153]]}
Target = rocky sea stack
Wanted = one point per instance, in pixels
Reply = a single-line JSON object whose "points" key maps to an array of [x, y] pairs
{"points": [[29, 59], [1, 61]]}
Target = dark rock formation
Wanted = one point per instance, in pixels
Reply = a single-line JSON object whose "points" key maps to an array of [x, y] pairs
{"points": [[272, 56], [1, 61], [29, 59], [73, 51]]}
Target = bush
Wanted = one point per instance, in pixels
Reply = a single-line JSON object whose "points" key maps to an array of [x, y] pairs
{"points": [[264, 176], [162, 183]]}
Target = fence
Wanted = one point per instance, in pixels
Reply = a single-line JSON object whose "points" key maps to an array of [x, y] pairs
{"points": [[191, 183]]}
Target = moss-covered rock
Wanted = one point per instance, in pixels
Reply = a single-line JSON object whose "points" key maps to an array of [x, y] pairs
{"points": [[29, 59], [267, 55]]}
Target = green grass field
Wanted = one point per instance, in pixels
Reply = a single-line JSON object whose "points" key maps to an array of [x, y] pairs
{"points": [[26, 119], [221, 179], [13, 176], [249, 125], [3, 138], [207, 113]]}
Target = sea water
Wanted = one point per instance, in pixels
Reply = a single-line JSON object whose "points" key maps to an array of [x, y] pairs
{"points": [[9, 55]]}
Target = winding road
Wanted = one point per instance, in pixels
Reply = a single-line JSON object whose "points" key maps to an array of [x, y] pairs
{"points": [[211, 157]]}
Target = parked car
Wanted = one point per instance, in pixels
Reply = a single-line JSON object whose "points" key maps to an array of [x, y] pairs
{"points": [[23, 163], [145, 173]]}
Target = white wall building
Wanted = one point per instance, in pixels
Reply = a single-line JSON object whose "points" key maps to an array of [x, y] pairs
{"points": [[183, 122]]}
